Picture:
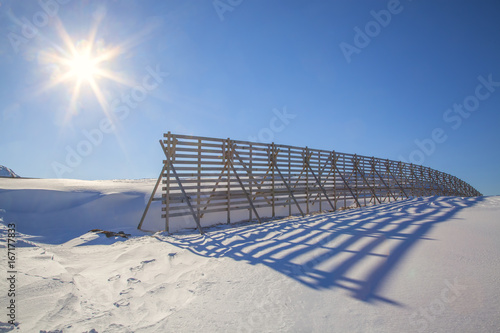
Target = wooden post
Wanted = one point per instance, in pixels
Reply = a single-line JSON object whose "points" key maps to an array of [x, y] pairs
{"points": [[273, 151], [345, 183], [273, 161], [250, 176], [186, 197], [372, 174], [198, 190], [334, 163], [228, 162], [319, 181], [289, 181], [307, 182], [167, 184]]}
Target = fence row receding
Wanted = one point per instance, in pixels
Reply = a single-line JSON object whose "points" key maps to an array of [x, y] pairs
{"points": [[243, 181]]}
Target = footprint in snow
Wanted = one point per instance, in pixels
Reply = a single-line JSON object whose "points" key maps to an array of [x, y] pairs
{"points": [[133, 280], [136, 268], [114, 278], [126, 291], [141, 266], [122, 302]]}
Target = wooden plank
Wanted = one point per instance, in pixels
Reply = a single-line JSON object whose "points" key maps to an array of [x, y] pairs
{"points": [[198, 190], [289, 179], [272, 154], [227, 157], [249, 172]]}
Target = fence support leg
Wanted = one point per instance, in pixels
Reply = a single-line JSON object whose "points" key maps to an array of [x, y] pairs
{"points": [[273, 161], [151, 200], [245, 191], [320, 185], [171, 166], [355, 162]]}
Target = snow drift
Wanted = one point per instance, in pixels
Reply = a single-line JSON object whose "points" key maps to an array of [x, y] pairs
{"points": [[427, 264], [57, 210]]}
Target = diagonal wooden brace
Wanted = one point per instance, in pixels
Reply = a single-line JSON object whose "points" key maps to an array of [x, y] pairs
{"points": [[355, 164], [345, 182], [243, 187], [273, 161], [186, 197], [395, 179], [306, 161]]}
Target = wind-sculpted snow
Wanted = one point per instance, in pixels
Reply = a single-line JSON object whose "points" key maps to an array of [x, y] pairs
{"points": [[56, 211], [427, 264]]}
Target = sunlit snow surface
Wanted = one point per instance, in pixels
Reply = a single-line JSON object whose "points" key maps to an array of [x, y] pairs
{"points": [[428, 264]]}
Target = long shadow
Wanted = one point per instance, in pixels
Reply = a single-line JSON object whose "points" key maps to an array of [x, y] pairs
{"points": [[355, 250]]}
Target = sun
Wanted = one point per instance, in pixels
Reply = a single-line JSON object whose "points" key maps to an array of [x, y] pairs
{"points": [[86, 61], [83, 67]]}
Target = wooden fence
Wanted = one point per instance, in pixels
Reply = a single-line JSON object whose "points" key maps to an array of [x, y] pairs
{"points": [[226, 178]]}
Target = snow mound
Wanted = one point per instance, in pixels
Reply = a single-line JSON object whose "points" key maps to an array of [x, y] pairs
{"points": [[55, 211], [6, 172]]}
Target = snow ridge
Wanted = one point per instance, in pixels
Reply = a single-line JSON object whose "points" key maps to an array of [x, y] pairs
{"points": [[6, 172]]}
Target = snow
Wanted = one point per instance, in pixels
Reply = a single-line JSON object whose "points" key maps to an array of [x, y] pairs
{"points": [[418, 265], [69, 208], [6, 172]]}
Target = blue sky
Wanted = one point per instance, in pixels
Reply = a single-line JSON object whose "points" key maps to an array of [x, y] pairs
{"points": [[405, 80]]}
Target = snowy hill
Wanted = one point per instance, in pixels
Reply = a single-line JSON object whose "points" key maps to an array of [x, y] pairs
{"points": [[6, 172], [427, 264]]}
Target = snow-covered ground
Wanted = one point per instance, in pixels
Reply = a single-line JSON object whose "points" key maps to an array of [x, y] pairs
{"points": [[419, 265]]}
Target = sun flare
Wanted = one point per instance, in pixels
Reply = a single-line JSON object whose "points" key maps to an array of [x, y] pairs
{"points": [[84, 65]]}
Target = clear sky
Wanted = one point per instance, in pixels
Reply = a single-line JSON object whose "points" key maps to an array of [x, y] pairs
{"points": [[87, 88]]}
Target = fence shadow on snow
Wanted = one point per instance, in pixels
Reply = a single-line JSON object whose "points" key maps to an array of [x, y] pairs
{"points": [[355, 250]]}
